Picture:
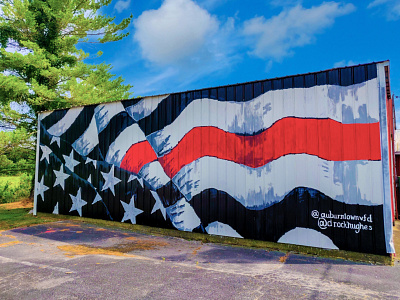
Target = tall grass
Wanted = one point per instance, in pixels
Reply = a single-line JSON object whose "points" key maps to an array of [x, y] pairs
{"points": [[14, 188], [12, 181]]}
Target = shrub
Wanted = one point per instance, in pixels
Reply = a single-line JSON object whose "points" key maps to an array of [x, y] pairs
{"points": [[9, 193]]}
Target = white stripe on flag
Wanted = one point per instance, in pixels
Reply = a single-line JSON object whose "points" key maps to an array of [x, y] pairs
{"points": [[105, 112], [88, 140], [154, 175], [344, 181], [343, 104], [62, 126], [44, 114], [144, 107], [128, 137], [219, 228]]}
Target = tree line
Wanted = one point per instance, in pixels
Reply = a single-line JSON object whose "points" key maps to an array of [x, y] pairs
{"points": [[42, 68]]}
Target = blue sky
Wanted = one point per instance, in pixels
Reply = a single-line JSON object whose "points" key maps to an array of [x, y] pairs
{"points": [[178, 45]]}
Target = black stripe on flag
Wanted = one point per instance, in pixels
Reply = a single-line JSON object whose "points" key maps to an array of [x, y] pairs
{"points": [[79, 126], [114, 127], [293, 211], [130, 102], [53, 118], [169, 194]]}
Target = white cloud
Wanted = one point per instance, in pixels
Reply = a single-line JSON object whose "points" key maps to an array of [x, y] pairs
{"points": [[397, 109], [121, 5], [211, 4], [154, 83], [390, 7], [344, 63], [177, 30], [268, 67], [284, 3], [377, 3], [13, 47], [182, 42], [22, 108], [276, 37]]}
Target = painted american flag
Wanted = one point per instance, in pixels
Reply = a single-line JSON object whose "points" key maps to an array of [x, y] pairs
{"points": [[256, 160]]}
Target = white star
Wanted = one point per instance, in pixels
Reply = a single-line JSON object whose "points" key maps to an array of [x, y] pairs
{"points": [[89, 179], [133, 177], [111, 180], [158, 205], [41, 188], [55, 211], [89, 160], [55, 139], [97, 199], [60, 177], [46, 152], [70, 162], [77, 202], [130, 211]]}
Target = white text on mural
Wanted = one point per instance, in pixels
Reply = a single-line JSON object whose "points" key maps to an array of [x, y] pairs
{"points": [[345, 221]]}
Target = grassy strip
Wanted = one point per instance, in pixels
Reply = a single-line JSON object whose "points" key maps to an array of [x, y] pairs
{"points": [[20, 217], [205, 238]]}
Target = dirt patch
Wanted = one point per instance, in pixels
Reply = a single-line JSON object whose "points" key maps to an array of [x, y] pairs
{"points": [[283, 259], [135, 245], [9, 236], [73, 250], [24, 203], [71, 225], [10, 244], [194, 253], [117, 250]]}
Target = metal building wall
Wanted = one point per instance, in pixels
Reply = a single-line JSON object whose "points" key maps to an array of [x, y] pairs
{"points": [[299, 159]]}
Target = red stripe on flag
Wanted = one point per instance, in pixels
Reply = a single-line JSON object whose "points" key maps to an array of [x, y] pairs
{"points": [[137, 156], [325, 138]]}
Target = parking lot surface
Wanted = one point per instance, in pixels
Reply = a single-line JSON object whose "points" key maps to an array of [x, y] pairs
{"points": [[73, 260]]}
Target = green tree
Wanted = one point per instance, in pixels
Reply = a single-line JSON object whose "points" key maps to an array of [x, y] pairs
{"points": [[41, 67], [17, 152]]}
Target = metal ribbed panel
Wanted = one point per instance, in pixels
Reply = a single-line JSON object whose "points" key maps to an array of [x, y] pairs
{"points": [[294, 159]]}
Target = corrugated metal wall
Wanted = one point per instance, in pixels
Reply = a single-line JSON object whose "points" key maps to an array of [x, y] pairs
{"points": [[295, 160]]}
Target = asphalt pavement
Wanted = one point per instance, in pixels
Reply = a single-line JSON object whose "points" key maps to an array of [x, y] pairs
{"points": [[68, 260]]}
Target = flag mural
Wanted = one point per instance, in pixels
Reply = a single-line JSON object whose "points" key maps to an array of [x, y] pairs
{"points": [[300, 159]]}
